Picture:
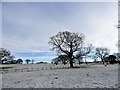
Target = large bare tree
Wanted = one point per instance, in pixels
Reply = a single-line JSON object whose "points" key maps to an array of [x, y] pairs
{"points": [[67, 42], [102, 53]]}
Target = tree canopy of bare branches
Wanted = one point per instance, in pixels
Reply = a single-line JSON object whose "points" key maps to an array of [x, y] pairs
{"points": [[68, 43], [102, 53], [84, 51]]}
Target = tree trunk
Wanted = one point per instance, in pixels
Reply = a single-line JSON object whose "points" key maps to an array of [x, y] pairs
{"points": [[71, 63], [2, 61], [103, 61], [71, 59]]}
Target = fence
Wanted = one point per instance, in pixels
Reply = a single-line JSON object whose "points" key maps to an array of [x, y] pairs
{"points": [[26, 69]]}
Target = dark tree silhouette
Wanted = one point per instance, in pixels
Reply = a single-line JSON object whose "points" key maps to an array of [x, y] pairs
{"points": [[102, 53], [68, 43], [27, 61], [5, 55], [118, 57], [112, 59], [55, 60], [13, 62], [63, 59], [19, 61]]}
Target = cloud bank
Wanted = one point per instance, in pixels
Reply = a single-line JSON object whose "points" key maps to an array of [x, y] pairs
{"points": [[27, 26]]}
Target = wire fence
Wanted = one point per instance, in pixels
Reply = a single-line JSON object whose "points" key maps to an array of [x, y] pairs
{"points": [[28, 68], [31, 69]]}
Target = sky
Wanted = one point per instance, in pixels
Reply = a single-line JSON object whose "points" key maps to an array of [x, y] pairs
{"points": [[28, 26]]}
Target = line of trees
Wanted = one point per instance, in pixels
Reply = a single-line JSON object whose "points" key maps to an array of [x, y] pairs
{"points": [[67, 43], [7, 58], [5, 55]]}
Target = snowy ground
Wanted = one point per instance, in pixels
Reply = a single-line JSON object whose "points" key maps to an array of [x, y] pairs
{"points": [[42, 76]]}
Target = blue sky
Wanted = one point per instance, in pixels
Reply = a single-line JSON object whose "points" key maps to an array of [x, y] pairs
{"points": [[26, 27]]}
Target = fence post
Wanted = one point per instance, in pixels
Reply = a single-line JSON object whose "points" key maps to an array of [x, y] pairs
{"points": [[5, 70]]}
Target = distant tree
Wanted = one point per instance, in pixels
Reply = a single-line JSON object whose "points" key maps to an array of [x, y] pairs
{"points": [[51, 62], [117, 55], [27, 61], [32, 61], [5, 55], [63, 58], [55, 61], [102, 53], [41, 62], [3, 60], [13, 62], [80, 59], [95, 58], [60, 59], [112, 59], [84, 51], [19, 61], [67, 42]]}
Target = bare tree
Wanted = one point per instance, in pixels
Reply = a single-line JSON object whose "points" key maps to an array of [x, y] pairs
{"points": [[102, 53], [94, 57], [68, 43], [84, 51]]}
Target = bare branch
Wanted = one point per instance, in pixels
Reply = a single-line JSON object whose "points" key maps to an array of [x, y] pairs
{"points": [[67, 42]]}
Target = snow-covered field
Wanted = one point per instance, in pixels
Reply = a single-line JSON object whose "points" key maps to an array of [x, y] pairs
{"points": [[42, 76]]}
